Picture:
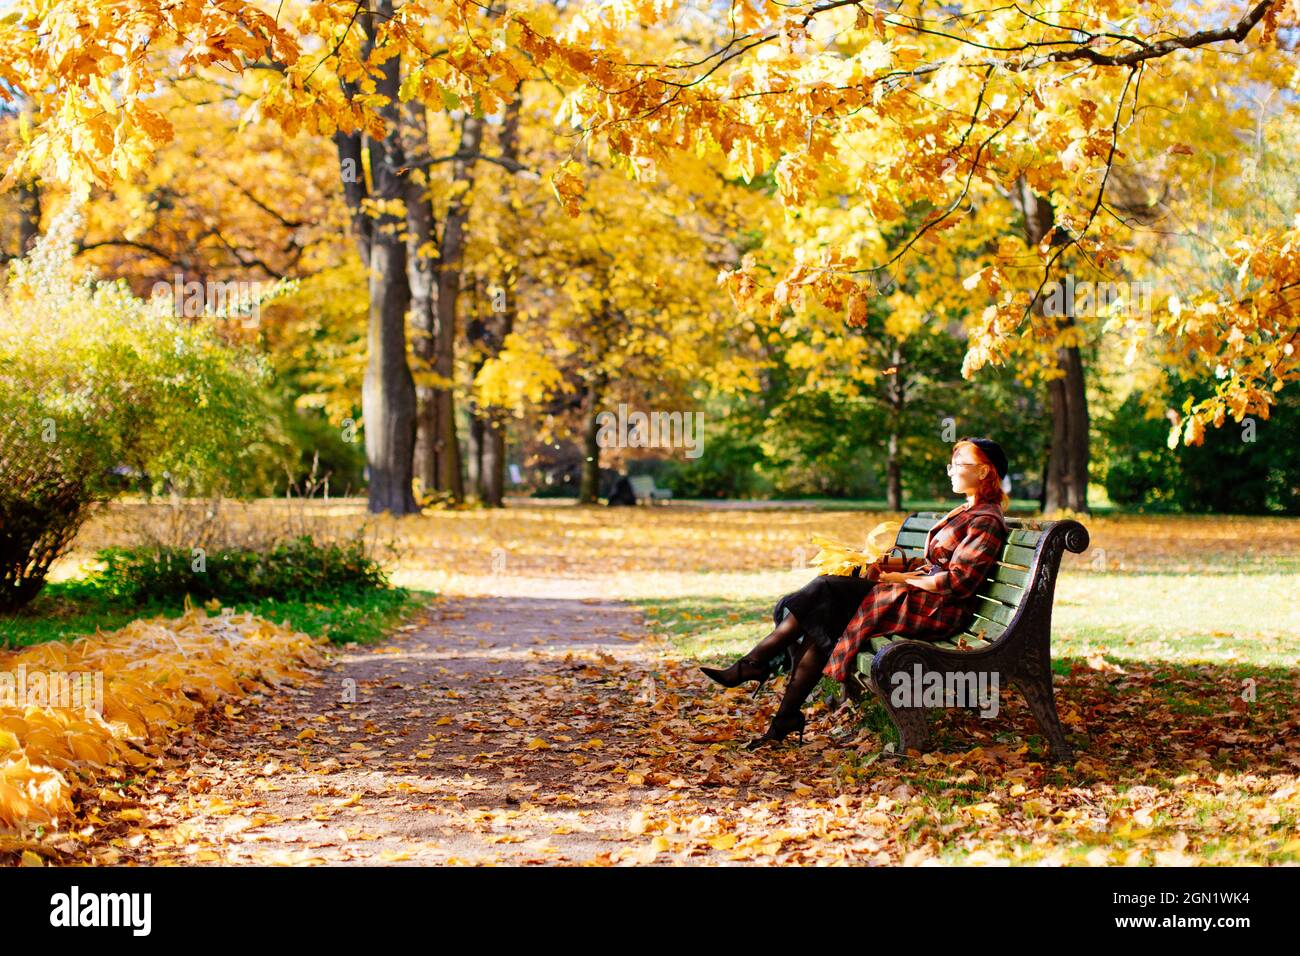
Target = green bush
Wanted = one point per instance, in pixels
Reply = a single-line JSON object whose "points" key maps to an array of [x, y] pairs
{"points": [[1247, 467], [1141, 470], [299, 569], [96, 383], [726, 470]]}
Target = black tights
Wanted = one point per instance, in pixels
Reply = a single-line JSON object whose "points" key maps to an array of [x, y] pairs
{"points": [[807, 671]]}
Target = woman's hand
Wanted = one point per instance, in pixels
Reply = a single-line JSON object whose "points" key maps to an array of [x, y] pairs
{"points": [[906, 577], [899, 577]]}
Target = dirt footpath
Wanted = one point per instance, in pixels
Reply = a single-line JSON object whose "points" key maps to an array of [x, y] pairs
{"points": [[515, 729]]}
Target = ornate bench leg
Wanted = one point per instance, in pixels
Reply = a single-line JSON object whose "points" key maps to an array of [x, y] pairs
{"points": [[1042, 701], [911, 722], [913, 728]]}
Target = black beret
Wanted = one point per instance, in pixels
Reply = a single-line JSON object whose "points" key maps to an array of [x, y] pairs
{"points": [[994, 452]]}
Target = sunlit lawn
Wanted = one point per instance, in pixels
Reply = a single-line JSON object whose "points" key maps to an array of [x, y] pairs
{"points": [[1231, 617]]}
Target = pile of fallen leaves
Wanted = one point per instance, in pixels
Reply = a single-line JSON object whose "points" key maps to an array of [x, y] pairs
{"points": [[157, 676]]}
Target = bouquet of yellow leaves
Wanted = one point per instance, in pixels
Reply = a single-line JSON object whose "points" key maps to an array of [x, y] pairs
{"points": [[843, 560]]}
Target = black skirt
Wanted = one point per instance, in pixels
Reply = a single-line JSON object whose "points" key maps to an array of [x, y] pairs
{"points": [[824, 606]]}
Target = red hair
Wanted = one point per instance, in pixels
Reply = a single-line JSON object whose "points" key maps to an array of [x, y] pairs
{"points": [[989, 488]]}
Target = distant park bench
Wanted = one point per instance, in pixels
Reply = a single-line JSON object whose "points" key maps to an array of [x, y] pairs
{"points": [[643, 486], [1009, 632]]}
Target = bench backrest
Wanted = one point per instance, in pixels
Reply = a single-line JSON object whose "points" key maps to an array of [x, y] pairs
{"points": [[1022, 569], [643, 485]]}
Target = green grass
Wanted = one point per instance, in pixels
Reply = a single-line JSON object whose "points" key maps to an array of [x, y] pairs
{"points": [[69, 609], [709, 628], [1220, 616]]}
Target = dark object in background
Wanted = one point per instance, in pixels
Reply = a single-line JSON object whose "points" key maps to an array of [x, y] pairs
{"points": [[622, 493]]}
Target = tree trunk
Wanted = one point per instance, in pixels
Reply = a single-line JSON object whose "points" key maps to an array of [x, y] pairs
{"points": [[490, 475], [440, 421], [29, 215], [486, 465], [420, 242], [492, 470], [474, 441], [478, 341], [388, 391], [1067, 462], [589, 488], [1066, 478], [893, 468], [352, 176], [488, 332]]}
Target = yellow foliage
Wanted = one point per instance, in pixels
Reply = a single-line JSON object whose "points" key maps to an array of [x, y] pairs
{"points": [[155, 676], [518, 375], [843, 559]]}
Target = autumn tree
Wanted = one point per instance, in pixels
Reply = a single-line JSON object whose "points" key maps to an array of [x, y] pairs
{"points": [[961, 107], [965, 109]]}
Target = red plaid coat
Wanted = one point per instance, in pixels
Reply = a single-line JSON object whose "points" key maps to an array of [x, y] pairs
{"points": [[962, 550]]}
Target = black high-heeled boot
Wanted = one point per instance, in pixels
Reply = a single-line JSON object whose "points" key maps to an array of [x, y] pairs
{"points": [[782, 726], [746, 668], [758, 663], [788, 716]]}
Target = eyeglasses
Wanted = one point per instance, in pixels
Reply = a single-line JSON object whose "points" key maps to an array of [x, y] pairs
{"points": [[954, 465]]}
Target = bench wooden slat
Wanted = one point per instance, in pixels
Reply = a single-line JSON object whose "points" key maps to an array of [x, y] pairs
{"points": [[1024, 537], [992, 610], [972, 642], [992, 629], [915, 528], [911, 539], [1015, 554], [1016, 577], [1002, 592]]}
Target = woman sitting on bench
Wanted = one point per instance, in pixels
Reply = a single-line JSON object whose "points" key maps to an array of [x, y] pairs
{"points": [[838, 615]]}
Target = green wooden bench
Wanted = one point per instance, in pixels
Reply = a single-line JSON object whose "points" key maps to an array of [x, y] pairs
{"points": [[1009, 632], [645, 489]]}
